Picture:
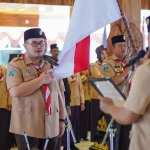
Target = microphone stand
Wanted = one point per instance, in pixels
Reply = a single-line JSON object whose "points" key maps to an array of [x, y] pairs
{"points": [[69, 126], [52, 61], [68, 123], [109, 128]]}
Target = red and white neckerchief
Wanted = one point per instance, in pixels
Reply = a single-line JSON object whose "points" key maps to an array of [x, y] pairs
{"points": [[45, 88], [1, 78], [123, 69], [122, 63]]}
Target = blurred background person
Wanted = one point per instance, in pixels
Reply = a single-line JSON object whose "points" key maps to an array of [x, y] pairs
{"points": [[5, 112], [84, 115], [77, 104], [94, 96]]}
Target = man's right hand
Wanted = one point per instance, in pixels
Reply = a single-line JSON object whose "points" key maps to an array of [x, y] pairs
{"points": [[127, 70], [46, 78]]}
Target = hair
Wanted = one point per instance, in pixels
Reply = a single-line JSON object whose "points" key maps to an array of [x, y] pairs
{"points": [[99, 51], [53, 48], [114, 45], [25, 41]]}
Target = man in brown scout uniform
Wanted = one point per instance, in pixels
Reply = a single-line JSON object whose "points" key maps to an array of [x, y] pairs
{"points": [[36, 106], [136, 109], [114, 67], [5, 107]]}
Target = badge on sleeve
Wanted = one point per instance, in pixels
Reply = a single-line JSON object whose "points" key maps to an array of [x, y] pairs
{"points": [[11, 71], [92, 66], [105, 66]]}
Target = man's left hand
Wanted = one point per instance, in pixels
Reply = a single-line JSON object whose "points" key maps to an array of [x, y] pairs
{"points": [[105, 104], [61, 128]]}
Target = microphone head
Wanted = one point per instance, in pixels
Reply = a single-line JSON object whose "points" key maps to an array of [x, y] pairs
{"points": [[50, 60], [141, 54]]}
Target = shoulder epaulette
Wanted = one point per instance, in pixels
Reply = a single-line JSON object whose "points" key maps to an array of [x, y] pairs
{"points": [[91, 65], [109, 58], [16, 59]]}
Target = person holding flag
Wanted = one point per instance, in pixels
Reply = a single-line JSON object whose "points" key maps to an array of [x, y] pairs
{"points": [[36, 105]]}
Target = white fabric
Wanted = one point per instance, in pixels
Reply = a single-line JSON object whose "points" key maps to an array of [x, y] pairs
{"points": [[87, 17]]}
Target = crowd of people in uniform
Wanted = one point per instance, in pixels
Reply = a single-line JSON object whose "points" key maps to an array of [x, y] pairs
{"points": [[29, 96]]}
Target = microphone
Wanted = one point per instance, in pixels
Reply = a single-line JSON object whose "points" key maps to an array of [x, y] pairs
{"points": [[133, 60], [50, 60]]}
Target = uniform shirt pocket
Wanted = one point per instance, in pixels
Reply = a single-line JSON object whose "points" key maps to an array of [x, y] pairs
{"points": [[21, 108], [29, 77]]}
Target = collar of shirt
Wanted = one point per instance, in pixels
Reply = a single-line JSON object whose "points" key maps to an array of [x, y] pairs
{"points": [[29, 61], [98, 62]]}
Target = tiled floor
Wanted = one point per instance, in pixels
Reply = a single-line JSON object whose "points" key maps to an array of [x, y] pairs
{"points": [[81, 146]]}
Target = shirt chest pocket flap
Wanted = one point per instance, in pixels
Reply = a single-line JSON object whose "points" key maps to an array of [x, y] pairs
{"points": [[29, 76]]}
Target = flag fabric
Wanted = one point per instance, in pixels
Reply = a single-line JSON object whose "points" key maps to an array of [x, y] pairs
{"points": [[87, 17], [143, 33], [104, 39]]}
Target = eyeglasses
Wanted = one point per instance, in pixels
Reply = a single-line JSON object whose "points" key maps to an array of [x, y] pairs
{"points": [[35, 43], [121, 46]]}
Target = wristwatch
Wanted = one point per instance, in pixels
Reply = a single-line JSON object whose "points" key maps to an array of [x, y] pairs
{"points": [[68, 107], [62, 120]]}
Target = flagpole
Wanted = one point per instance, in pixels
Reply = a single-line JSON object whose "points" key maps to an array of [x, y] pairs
{"points": [[68, 120]]}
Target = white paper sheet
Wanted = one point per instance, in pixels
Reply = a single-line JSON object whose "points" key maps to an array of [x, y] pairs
{"points": [[108, 90]]}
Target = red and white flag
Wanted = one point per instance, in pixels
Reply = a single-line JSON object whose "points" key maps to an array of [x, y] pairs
{"points": [[144, 34], [87, 17]]}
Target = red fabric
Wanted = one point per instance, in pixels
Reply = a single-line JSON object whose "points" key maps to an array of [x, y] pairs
{"points": [[122, 63], [123, 68], [81, 60]]}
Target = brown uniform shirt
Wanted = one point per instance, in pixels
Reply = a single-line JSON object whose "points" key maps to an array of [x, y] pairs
{"points": [[95, 73], [85, 84], [111, 67], [28, 113], [139, 103], [77, 94], [5, 98]]}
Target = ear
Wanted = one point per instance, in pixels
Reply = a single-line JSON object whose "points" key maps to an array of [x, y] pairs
{"points": [[113, 48], [24, 45]]}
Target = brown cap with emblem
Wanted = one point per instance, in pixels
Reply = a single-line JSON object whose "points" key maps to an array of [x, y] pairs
{"points": [[117, 39], [34, 33], [148, 23]]}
